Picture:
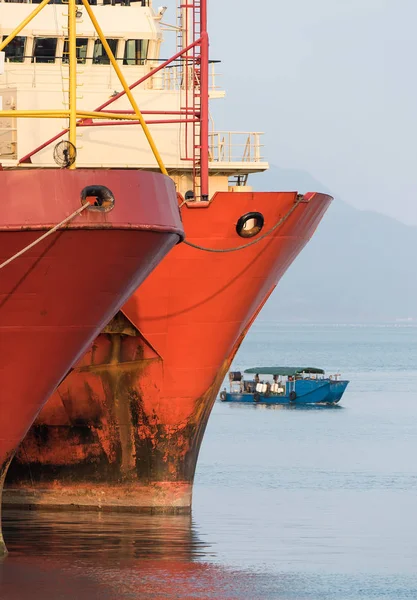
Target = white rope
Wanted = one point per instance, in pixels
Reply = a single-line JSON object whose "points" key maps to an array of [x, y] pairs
{"points": [[45, 235]]}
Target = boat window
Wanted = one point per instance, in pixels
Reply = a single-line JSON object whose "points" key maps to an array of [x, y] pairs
{"points": [[81, 50], [15, 50], [44, 50], [100, 55], [136, 52]]}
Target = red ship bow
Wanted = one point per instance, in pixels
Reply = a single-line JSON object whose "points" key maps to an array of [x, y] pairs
{"points": [[57, 296]]}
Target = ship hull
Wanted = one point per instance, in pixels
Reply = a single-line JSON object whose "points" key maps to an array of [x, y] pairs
{"points": [[57, 296], [124, 429]]}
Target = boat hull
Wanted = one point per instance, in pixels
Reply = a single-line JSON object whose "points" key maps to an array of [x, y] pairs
{"points": [[337, 389], [125, 427], [57, 296]]}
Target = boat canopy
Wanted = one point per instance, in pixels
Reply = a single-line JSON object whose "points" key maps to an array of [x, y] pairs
{"points": [[284, 371]]}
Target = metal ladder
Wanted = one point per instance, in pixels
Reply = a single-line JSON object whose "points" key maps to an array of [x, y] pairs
{"points": [[189, 21]]}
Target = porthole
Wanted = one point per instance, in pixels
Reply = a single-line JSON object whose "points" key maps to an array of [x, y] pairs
{"points": [[250, 224], [99, 196]]}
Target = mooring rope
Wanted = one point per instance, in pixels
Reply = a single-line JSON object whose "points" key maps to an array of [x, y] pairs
{"points": [[253, 242], [45, 235]]}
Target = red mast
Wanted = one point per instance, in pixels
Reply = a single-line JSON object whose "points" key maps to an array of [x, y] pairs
{"points": [[204, 112]]}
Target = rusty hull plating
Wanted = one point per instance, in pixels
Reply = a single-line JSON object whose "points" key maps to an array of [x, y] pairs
{"points": [[123, 431], [59, 295]]}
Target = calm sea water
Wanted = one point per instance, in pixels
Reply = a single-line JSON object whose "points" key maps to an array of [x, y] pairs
{"points": [[288, 503]]}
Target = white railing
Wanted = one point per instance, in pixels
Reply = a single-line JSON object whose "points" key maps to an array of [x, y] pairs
{"points": [[235, 146], [181, 77]]}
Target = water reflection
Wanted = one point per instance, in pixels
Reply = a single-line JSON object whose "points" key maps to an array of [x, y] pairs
{"points": [[108, 535], [63, 555], [91, 556], [261, 406]]}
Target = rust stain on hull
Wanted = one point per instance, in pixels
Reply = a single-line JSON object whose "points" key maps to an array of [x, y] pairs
{"points": [[126, 459]]}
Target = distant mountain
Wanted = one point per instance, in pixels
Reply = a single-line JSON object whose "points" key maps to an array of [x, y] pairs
{"points": [[359, 266]]}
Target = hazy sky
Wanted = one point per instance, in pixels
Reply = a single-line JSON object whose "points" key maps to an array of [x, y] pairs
{"points": [[333, 84]]}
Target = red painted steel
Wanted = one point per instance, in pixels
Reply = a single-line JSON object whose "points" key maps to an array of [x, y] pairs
{"points": [[125, 427], [56, 298], [204, 113], [102, 123]]}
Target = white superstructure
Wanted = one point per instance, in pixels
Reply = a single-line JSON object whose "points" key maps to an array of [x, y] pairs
{"points": [[36, 77]]}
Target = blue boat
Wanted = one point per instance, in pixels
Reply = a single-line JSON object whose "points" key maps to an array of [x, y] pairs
{"points": [[284, 385]]}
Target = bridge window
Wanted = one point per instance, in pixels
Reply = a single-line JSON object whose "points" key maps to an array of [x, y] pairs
{"points": [[81, 50], [136, 52], [100, 55], [44, 50], [15, 50]]}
